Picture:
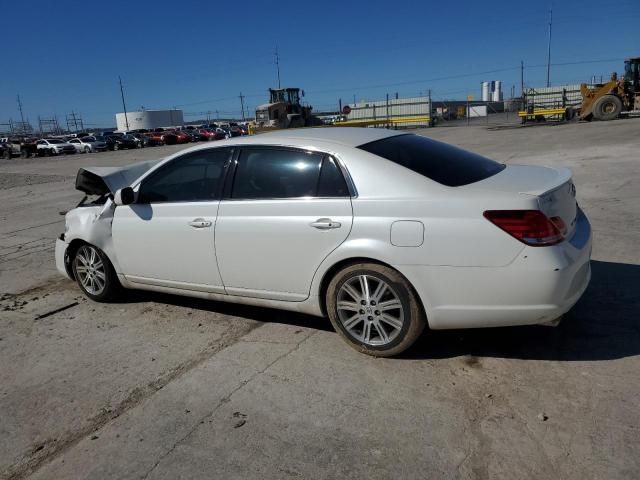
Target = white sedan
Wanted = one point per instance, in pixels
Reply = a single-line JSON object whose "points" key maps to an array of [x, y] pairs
{"points": [[80, 145], [382, 231]]}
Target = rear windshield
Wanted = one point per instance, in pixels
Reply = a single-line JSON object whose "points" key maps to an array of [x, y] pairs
{"points": [[445, 164]]}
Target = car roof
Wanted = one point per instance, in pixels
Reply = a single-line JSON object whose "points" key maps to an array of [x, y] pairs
{"points": [[348, 136]]}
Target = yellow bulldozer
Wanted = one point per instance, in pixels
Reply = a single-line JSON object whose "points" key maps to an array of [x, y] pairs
{"points": [[616, 97]]}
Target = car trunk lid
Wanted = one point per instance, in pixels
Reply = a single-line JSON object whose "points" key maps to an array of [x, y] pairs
{"points": [[553, 186]]}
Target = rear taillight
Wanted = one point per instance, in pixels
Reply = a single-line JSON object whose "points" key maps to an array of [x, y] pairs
{"points": [[531, 227]]}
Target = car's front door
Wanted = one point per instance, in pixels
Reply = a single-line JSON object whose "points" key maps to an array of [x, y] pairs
{"points": [[167, 236], [286, 210]]}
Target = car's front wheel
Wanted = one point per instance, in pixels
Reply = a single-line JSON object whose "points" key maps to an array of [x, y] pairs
{"points": [[375, 309], [95, 274]]}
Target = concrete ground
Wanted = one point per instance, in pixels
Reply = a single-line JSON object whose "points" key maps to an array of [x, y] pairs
{"points": [[164, 387]]}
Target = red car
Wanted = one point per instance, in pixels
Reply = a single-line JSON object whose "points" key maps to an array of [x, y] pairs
{"points": [[181, 137], [206, 134], [165, 137]]}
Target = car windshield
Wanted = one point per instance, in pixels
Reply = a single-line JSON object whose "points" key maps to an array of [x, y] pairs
{"points": [[55, 141], [445, 164], [89, 139], [129, 137], [99, 138]]}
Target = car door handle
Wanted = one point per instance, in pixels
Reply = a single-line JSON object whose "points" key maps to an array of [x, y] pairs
{"points": [[200, 223], [325, 224]]}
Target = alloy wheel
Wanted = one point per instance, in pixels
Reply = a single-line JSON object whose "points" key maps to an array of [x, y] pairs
{"points": [[90, 270], [370, 310]]}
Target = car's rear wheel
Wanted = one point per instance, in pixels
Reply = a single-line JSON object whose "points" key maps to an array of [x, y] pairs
{"points": [[95, 274], [375, 309], [87, 150]]}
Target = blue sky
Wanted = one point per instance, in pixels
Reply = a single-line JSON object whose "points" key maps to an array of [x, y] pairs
{"points": [[199, 56]]}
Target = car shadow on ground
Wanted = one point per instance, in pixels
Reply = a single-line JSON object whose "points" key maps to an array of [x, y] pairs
{"points": [[260, 314], [604, 324]]}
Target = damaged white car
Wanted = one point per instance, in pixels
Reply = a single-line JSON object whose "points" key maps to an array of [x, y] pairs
{"points": [[382, 231]]}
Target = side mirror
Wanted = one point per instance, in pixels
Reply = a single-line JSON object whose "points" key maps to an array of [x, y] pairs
{"points": [[124, 196]]}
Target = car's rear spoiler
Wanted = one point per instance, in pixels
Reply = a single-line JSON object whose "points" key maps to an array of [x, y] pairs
{"points": [[103, 180]]}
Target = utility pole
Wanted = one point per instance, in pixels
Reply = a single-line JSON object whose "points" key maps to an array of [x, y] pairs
{"points": [[522, 78], [24, 126], [549, 50], [242, 105], [430, 123], [278, 65], [124, 106]]}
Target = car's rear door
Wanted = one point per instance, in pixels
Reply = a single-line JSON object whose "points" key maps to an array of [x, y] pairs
{"points": [[167, 237], [284, 211]]}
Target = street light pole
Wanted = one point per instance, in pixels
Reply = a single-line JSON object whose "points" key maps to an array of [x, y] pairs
{"points": [[549, 50]]}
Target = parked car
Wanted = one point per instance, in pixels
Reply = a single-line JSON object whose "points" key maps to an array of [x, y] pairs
{"points": [[143, 141], [108, 141], [194, 136], [9, 148], [207, 135], [236, 131], [181, 137], [382, 231], [154, 139], [81, 145], [125, 142], [95, 144], [54, 146]]}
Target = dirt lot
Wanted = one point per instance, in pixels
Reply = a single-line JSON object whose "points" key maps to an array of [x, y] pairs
{"points": [[163, 387]]}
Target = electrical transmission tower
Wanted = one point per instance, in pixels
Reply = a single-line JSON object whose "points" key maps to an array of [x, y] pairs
{"points": [[74, 122]]}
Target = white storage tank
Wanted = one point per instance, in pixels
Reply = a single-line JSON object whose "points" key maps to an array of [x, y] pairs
{"points": [[149, 119], [486, 92], [497, 91]]}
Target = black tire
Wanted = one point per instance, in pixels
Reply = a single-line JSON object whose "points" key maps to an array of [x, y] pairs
{"points": [[87, 150], [607, 107], [7, 154], [412, 314], [111, 288]]}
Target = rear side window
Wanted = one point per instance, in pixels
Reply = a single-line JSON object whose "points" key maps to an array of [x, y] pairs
{"points": [[331, 183], [275, 173], [442, 163], [194, 177]]}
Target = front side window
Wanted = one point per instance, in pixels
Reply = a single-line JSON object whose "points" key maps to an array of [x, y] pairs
{"points": [[194, 177], [276, 173]]}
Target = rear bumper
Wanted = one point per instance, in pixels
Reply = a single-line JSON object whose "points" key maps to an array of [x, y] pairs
{"points": [[540, 285]]}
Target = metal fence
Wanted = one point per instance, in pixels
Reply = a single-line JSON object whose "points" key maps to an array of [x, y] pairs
{"points": [[460, 113], [553, 97], [397, 112]]}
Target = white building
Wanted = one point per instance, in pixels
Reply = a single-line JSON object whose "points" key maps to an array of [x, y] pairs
{"points": [[149, 119]]}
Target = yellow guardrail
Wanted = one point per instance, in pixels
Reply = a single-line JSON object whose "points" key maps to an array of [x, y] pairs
{"points": [[543, 111], [384, 121]]}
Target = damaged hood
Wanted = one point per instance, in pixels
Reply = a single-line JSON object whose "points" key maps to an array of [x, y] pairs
{"points": [[102, 180]]}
